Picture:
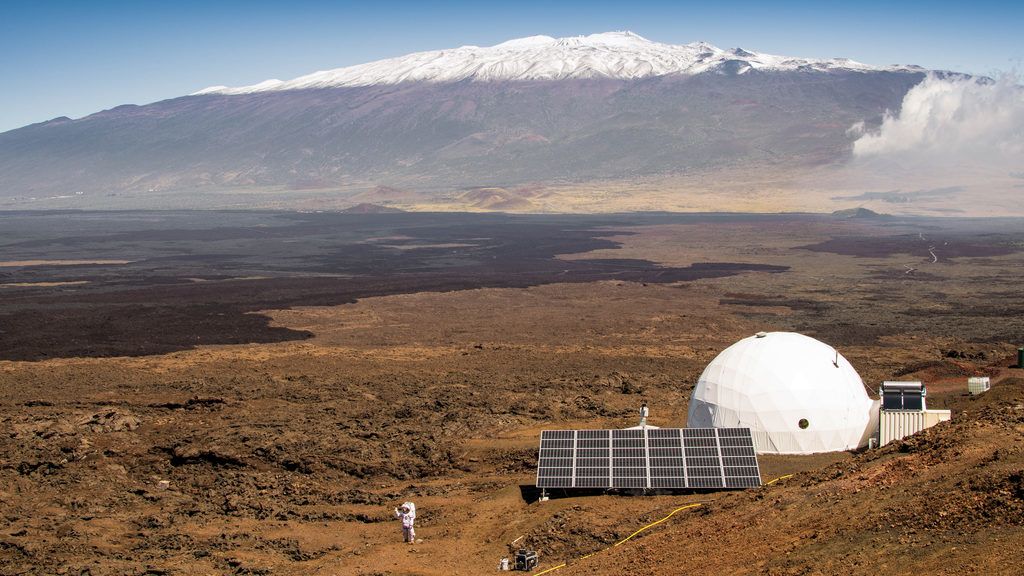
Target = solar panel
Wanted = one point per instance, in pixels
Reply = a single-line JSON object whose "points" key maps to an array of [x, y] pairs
{"points": [[648, 458], [903, 396]]}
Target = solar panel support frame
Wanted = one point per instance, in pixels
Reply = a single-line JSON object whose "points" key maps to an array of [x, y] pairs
{"points": [[647, 457], [575, 443], [611, 460], [721, 460]]}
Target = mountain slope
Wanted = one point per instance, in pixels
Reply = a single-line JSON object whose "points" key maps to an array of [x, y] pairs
{"points": [[474, 132]]}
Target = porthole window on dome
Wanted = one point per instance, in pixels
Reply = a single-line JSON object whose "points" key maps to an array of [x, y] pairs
{"points": [[803, 423]]}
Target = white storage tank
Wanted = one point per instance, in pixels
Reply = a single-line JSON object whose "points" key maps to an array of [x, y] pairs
{"points": [[978, 384]]}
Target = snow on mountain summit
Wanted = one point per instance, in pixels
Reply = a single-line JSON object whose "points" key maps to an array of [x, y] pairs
{"points": [[622, 55]]}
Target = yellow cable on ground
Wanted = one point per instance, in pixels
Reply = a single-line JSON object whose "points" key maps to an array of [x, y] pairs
{"points": [[651, 525], [626, 539], [562, 565]]}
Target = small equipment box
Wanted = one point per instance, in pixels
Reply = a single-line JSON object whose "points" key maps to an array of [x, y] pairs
{"points": [[526, 560]]}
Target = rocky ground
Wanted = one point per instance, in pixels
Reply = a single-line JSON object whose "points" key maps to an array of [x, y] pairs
{"points": [[287, 457]]}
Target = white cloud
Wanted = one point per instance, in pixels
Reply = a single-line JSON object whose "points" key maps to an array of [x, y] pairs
{"points": [[951, 121], [955, 146]]}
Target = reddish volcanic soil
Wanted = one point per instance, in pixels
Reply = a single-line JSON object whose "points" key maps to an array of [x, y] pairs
{"points": [[286, 457]]}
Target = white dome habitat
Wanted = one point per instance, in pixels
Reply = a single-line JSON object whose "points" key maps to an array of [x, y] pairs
{"points": [[796, 394]]}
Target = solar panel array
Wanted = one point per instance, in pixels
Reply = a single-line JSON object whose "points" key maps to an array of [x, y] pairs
{"points": [[648, 458]]}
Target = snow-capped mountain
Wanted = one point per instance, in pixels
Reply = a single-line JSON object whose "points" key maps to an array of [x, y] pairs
{"points": [[617, 55], [604, 107]]}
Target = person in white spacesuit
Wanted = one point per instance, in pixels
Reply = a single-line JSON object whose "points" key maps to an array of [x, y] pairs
{"points": [[407, 514]]}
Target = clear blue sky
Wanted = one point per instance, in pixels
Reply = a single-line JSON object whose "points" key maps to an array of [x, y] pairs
{"points": [[72, 58]]}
